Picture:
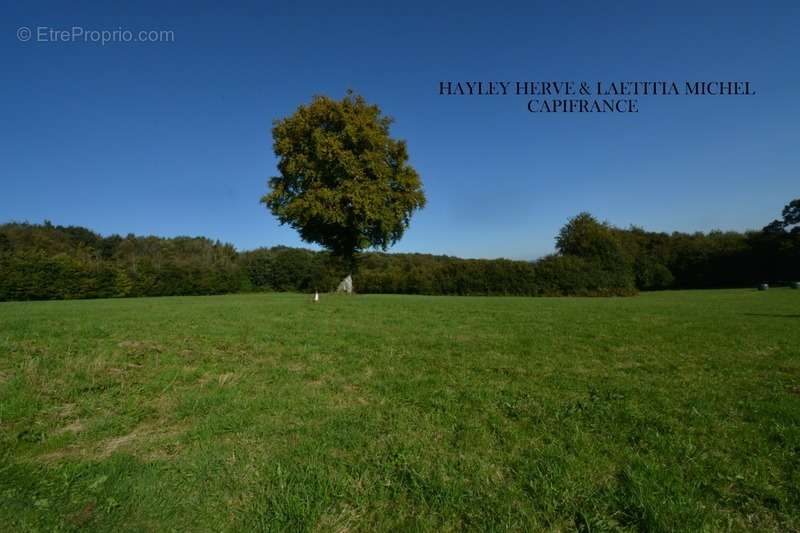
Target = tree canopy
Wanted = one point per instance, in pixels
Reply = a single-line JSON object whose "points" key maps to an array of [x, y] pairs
{"points": [[790, 220], [584, 236], [344, 183]]}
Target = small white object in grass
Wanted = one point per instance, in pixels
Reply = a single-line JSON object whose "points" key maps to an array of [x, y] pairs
{"points": [[316, 296]]}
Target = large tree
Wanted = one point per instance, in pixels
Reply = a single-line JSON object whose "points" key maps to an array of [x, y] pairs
{"points": [[596, 242], [344, 183], [585, 237]]}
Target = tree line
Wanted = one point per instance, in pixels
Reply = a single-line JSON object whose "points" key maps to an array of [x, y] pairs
{"points": [[45, 262], [593, 258]]}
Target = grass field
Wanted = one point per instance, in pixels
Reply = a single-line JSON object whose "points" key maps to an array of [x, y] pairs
{"points": [[666, 411]]}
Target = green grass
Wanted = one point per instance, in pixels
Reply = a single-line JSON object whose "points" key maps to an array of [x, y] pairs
{"points": [[664, 412]]}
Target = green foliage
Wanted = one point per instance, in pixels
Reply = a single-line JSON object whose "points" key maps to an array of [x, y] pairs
{"points": [[597, 261], [791, 213], [790, 220], [583, 236], [594, 259], [563, 275], [652, 275], [55, 262], [290, 269], [344, 182]]}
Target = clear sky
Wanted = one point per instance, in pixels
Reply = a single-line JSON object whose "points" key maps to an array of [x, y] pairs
{"points": [[173, 138]]}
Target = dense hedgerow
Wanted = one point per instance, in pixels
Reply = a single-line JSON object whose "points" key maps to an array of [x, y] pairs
{"points": [[44, 262], [40, 262]]}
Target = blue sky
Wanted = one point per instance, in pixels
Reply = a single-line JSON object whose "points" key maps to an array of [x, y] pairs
{"points": [[174, 138]]}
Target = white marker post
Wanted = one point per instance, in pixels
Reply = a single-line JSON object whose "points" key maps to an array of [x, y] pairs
{"points": [[316, 296]]}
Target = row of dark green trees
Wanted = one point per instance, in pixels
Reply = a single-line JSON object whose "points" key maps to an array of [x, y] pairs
{"points": [[46, 261]]}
